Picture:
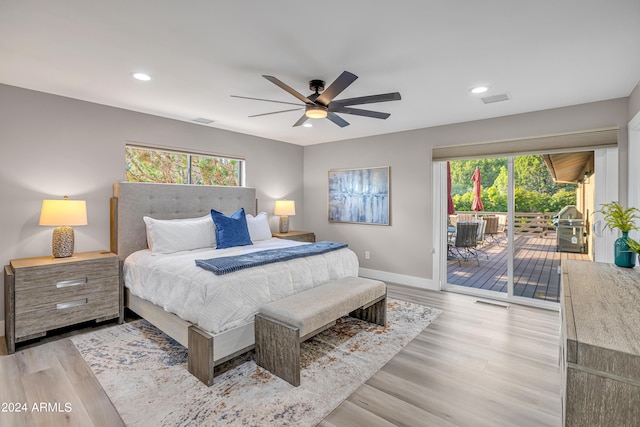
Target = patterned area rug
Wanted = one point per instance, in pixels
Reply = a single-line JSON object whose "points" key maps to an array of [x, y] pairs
{"points": [[145, 375]]}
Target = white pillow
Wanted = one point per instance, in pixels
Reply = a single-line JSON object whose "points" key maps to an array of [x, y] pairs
{"points": [[165, 236], [258, 227]]}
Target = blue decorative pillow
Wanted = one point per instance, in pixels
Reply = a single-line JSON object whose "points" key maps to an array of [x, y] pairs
{"points": [[231, 230]]}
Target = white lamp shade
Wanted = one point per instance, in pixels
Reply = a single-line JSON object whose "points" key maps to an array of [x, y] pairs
{"points": [[284, 207], [63, 212]]}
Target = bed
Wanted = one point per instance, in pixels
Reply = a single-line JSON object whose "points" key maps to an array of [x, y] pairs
{"points": [[215, 322]]}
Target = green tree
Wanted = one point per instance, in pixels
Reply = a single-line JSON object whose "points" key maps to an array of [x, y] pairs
{"points": [[501, 184], [149, 165], [532, 174], [494, 200], [535, 189], [463, 202], [155, 166], [562, 198], [209, 170], [462, 171]]}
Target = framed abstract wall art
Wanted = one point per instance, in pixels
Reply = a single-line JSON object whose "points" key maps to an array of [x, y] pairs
{"points": [[359, 196]]}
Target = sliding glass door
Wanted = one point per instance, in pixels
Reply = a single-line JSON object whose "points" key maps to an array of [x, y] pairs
{"points": [[501, 241], [477, 226]]}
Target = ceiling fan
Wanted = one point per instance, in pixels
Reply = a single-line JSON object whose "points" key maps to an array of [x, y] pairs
{"points": [[321, 105]]}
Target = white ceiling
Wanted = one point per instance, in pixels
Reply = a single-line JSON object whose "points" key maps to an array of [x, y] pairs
{"points": [[544, 53]]}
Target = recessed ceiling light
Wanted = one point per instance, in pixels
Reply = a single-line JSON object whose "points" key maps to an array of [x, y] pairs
{"points": [[141, 76], [308, 125], [479, 89]]}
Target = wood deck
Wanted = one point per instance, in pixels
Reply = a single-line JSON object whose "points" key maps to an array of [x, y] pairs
{"points": [[536, 266]]}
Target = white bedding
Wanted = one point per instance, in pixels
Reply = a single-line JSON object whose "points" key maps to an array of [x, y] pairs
{"points": [[218, 303]]}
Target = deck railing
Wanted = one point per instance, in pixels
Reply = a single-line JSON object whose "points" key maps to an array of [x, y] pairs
{"points": [[533, 223], [530, 223]]}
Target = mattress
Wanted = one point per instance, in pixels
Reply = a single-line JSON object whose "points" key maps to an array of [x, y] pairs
{"points": [[219, 303]]}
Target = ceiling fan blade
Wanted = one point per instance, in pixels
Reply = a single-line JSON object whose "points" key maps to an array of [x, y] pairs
{"points": [[335, 88], [360, 112], [276, 112], [260, 99], [337, 119], [292, 91], [301, 120], [384, 97]]}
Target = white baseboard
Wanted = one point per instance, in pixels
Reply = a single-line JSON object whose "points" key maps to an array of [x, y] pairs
{"points": [[402, 279], [1, 328]]}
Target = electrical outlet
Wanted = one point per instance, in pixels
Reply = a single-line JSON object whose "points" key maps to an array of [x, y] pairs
{"points": [[367, 255]]}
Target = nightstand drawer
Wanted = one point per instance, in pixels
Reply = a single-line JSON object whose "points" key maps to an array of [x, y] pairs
{"points": [[43, 276], [81, 307], [34, 299]]}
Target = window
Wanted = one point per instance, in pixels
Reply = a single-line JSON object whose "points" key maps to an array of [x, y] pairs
{"points": [[145, 164]]}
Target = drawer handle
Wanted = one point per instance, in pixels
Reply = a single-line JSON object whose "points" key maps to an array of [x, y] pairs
{"points": [[72, 282], [70, 304]]}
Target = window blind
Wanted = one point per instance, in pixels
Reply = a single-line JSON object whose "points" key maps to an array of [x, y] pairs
{"points": [[559, 143]]}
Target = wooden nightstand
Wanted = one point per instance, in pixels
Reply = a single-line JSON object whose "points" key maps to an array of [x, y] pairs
{"points": [[45, 293], [300, 236]]}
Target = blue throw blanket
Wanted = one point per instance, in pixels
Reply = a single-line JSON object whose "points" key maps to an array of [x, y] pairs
{"points": [[229, 264]]}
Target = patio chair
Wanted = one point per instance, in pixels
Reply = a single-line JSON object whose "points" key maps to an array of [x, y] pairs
{"points": [[491, 229], [466, 241], [482, 224], [502, 225], [451, 239]]}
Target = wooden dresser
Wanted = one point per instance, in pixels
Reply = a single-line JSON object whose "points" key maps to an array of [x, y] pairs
{"points": [[46, 293], [600, 347]]}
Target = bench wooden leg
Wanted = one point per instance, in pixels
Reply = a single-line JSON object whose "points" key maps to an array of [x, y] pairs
{"points": [[278, 349], [374, 313], [200, 355]]}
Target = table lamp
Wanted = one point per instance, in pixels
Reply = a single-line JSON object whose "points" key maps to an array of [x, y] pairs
{"points": [[284, 208], [62, 214]]}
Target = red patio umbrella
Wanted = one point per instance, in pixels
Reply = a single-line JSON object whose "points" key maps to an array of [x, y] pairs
{"points": [[477, 191], [450, 208]]}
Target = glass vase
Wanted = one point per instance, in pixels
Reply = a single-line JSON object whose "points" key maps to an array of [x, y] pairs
{"points": [[624, 256]]}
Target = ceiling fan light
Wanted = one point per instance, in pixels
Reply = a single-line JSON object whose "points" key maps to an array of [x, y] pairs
{"points": [[316, 112]]}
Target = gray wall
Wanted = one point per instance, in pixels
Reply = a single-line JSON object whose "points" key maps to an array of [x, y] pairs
{"points": [[405, 247], [54, 146], [634, 102]]}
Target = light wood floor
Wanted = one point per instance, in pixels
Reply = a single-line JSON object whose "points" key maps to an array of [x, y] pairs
{"points": [[50, 373], [476, 365]]}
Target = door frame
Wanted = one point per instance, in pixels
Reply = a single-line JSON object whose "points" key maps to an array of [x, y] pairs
{"points": [[605, 166], [633, 181]]}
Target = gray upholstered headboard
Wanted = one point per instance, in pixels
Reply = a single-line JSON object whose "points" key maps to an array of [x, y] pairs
{"points": [[133, 200]]}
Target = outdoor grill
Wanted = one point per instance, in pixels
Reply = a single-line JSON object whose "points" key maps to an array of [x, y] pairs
{"points": [[570, 235]]}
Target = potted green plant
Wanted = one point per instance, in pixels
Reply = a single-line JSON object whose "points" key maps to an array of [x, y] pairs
{"points": [[615, 216]]}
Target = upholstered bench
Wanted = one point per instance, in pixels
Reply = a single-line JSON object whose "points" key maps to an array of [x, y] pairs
{"points": [[282, 325]]}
